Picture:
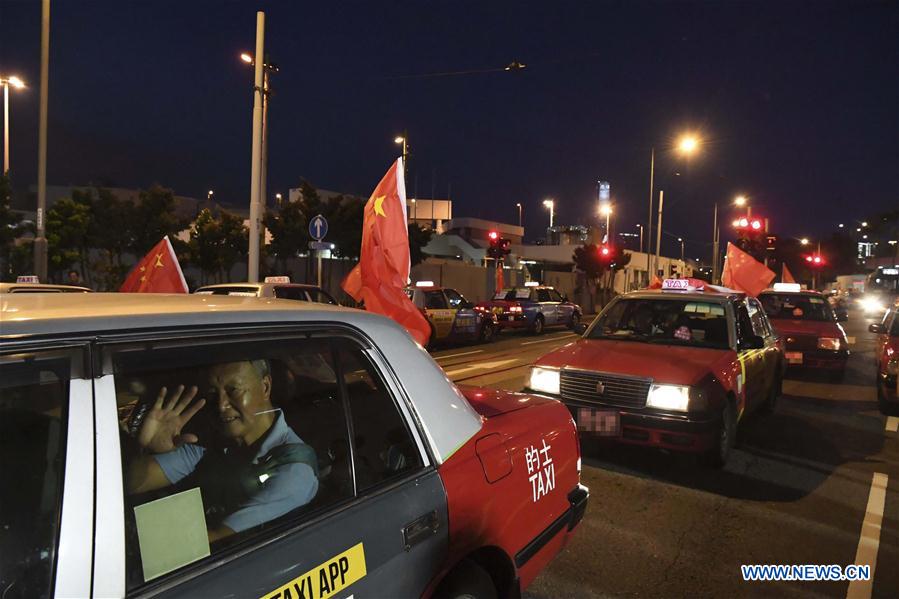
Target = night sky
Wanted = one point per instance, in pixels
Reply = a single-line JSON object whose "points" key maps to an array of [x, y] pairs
{"points": [[798, 103]]}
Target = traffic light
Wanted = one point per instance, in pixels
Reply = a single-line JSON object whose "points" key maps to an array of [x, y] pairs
{"points": [[500, 247], [815, 260], [605, 253], [749, 225]]}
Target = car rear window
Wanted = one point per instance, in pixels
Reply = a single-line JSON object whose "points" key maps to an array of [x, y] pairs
{"points": [[794, 306], [239, 291]]}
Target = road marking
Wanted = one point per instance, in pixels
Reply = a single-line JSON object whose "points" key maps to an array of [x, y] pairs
{"points": [[465, 353], [869, 541], [482, 366], [548, 340], [893, 424], [850, 340]]}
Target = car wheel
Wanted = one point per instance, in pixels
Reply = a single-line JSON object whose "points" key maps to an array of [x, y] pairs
{"points": [[487, 333], [538, 326], [468, 580], [773, 395], [575, 319], [718, 455]]}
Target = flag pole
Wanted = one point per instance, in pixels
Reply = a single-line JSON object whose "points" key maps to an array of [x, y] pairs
{"points": [[256, 170]]}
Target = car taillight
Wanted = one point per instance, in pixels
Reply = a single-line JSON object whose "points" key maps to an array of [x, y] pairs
{"points": [[831, 343], [515, 309]]}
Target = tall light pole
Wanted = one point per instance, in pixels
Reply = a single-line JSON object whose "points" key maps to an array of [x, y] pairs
{"points": [[256, 160], [652, 170], [681, 239], [742, 201], [268, 69], [18, 84], [519, 213], [639, 226], [606, 210], [40, 236], [403, 140], [551, 204]]}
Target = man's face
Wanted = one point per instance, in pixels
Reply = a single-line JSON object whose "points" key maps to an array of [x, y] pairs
{"points": [[240, 396]]}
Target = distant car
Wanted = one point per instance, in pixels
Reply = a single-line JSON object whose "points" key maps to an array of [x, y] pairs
{"points": [[887, 357], [451, 316], [169, 445], [42, 288], [676, 368], [281, 290], [813, 336], [533, 308]]}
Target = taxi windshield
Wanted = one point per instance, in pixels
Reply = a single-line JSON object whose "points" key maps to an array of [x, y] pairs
{"points": [[665, 321], [794, 306]]}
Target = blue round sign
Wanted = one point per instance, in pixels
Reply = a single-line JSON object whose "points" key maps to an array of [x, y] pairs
{"points": [[318, 227]]}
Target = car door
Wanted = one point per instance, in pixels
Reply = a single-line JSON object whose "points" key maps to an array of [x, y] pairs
{"points": [[752, 360], [325, 517], [439, 313], [465, 321], [548, 308], [563, 309], [771, 352]]}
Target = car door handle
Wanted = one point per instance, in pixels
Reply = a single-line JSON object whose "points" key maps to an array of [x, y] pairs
{"points": [[419, 530]]}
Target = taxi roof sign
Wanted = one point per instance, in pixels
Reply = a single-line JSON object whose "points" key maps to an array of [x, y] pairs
{"points": [[278, 279], [425, 284], [28, 279], [531, 284], [787, 287], [679, 285]]}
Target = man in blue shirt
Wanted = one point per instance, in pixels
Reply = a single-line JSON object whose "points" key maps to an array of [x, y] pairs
{"points": [[263, 471]]}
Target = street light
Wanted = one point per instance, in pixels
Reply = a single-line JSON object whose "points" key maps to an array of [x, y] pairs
{"points": [[401, 139], [551, 204], [606, 210], [804, 241], [18, 84], [641, 236], [681, 239], [278, 199], [519, 213]]}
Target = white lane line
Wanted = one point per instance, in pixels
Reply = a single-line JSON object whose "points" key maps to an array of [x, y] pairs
{"points": [[465, 353], [892, 424], [850, 340], [548, 340], [482, 366], [869, 541]]}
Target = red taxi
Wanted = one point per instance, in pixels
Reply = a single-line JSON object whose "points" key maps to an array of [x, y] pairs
{"points": [[675, 368], [813, 337], [887, 356]]}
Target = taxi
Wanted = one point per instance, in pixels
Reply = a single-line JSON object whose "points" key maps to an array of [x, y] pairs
{"points": [[278, 286], [532, 307], [199, 446], [813, 336], [676, 368], [42, 288], [886, 353], [451, 316]]}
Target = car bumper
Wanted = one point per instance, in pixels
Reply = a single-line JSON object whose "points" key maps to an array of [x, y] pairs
{"points": [[655, 430], [821, 359], [512, 322]]}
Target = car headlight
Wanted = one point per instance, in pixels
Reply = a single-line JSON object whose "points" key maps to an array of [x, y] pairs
{"points": [[871, 304], [832, 343], [893, 367], [544, 380], [669, 397]]}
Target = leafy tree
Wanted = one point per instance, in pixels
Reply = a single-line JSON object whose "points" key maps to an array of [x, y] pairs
{"points": [[154, 218], [419, 237], [217, 242], [10, 228], [287, 226], [599, 268], [67, 229], [111, 230]]}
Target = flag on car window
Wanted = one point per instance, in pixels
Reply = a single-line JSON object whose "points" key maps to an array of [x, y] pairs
{"points": [[786, 276], [384, 262], [744, 273], [157, 272]]}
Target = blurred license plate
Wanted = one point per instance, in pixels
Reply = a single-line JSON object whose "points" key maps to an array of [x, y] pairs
{"points": [[793, 357], [601, 422]]}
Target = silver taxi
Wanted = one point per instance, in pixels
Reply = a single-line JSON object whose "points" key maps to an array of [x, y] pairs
{"points": [[213, 446]]}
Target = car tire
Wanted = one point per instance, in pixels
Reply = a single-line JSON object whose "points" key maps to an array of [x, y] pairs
{"points": [[773, 395], [468, 580], [538, 327], [575, 320], [717, 456], [488, 333]]}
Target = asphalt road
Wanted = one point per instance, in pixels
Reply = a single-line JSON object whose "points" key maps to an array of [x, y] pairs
{"points": [[804, 487]]}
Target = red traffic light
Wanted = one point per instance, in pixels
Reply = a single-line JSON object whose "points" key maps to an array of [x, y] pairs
{"points": [[604, 251], [743, 222], [493, 235], [756, 225], [815, 260]]}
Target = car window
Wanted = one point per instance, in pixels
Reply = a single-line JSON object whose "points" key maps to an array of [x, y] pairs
{"points": [[293, 293], [664, 321], [744, 322], [757, 318], [554, 295], [236, 290], [263, 443], [320, 296], [543, 295], [383, 445], [34, 389], [796, 307], [434, 300], [893, 327], [455, 300]]}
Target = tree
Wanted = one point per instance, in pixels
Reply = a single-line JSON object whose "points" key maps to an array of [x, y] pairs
{"points": [[599, 267], [419, 237], [154, 218], [111, 230], [67, 228], [217, 242], [287, 226], [10, 228]]}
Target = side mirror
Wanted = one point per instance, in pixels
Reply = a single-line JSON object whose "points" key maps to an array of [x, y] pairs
{"points": [[753, 342], [580, 328], [875, 327]]}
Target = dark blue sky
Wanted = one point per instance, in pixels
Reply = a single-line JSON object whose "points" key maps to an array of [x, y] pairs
{"points": [[798, 102]]}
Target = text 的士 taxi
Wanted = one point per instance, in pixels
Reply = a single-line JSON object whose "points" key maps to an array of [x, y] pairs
{"points": [[675, 368], [451, 316], [813, 337], [199, 446]]}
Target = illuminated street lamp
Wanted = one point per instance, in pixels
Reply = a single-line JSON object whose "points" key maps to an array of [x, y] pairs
{"points": [[209, 194], [681, 239], [688, 144], [402, 140], [804, 241], [606, 210], [551, 204], [519, 213], [18, 84]]}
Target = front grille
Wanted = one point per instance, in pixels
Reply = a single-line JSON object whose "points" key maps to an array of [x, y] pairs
{"points": [[625, 391], [801, 342]]}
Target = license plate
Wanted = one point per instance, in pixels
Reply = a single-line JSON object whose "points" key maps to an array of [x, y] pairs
{"points": [[793, 357], [602, 422], [497, 310]]}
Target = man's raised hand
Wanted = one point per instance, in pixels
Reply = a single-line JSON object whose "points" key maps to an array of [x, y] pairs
{"points": [[160, 431]]}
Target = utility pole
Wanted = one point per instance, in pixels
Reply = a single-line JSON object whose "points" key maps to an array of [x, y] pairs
{"points": [[256, 160], [40, 238], [715, 246], [652, 168], [659, 232]]}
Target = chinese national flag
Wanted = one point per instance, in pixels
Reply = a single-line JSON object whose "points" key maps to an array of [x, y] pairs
{"points": [[744, 273], [500, 278], [786, 276], [655, 282], [157, 272], [383, 269]]}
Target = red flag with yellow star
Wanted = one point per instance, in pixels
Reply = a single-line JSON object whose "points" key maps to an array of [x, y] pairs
{"points": [[383, 270], [744, 273], [157, 272]]}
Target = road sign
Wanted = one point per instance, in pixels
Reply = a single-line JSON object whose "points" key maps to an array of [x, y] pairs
{"points": [[321, 245], [318, 227]]}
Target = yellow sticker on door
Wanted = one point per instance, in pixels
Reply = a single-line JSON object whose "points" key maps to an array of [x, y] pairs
{"points": [[326, 579]]}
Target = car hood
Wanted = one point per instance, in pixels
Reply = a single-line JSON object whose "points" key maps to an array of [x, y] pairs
{"points": [[493, 402], [672, 364], [787, 326]]}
